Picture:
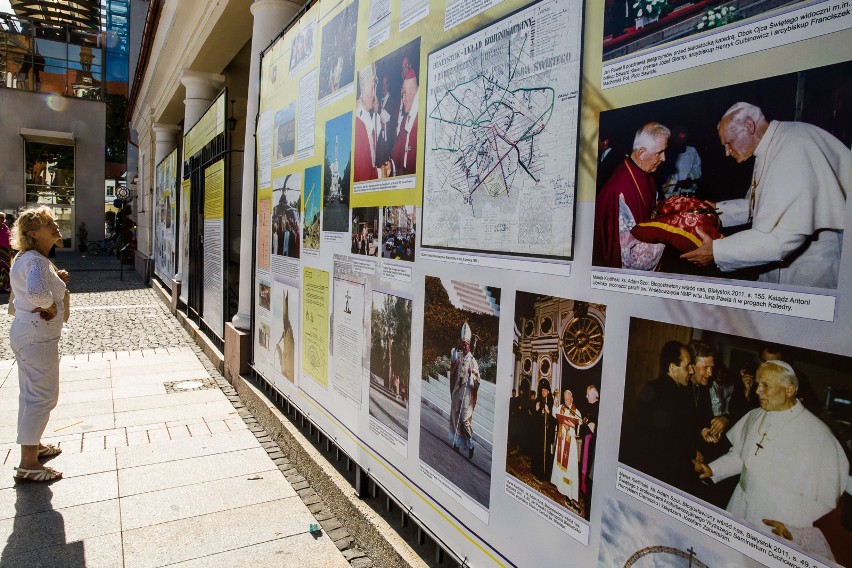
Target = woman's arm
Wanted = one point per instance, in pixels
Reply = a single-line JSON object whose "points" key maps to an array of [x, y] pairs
{"points": [[43, 286]]}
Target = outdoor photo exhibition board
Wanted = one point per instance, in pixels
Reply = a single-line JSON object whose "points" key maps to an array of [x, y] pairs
{"points": [[570, 280], [204, 173], [165, 217]]}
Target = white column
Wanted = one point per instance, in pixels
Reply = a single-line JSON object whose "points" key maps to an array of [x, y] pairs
{"points": [[556, 373], [165, 140], [270, 16], [534, 374], [200, 90]]}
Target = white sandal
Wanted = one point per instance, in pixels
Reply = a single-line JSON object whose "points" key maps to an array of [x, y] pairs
{"points": [[49, 451], [36, 475]]}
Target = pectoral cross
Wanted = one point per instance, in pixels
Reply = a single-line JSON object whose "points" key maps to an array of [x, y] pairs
{"points": [[759, 444]]}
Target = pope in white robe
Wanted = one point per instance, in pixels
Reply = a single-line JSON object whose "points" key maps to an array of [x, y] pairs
{"points": [[796, 202], [566, 466], [792, 469], [464, 385]]}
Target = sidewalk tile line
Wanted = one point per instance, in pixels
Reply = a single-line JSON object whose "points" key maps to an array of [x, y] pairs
{"points": [[258, 446], [184, 519], [197, 483], [69, 507], [120, 512], [252, 545]]}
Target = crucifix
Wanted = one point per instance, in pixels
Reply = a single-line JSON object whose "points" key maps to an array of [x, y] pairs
{"points": [[692, 554], [759, 443]]}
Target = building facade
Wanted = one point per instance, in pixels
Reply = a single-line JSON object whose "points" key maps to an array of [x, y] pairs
{"points": [[64, 76]]}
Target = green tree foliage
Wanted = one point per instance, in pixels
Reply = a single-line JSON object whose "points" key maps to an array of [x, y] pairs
{"points": [[391, 323]]}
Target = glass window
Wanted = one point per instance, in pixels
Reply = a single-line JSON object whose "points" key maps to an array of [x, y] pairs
{"points": [[83, 56], [54, 60], [52, 49], [117, 68], [49, 180]]}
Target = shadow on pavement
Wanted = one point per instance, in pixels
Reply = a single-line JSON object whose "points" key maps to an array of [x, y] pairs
{"points": [[38, 532]]}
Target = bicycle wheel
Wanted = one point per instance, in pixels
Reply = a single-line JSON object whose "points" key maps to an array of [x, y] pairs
{"points": [[94, 249]]}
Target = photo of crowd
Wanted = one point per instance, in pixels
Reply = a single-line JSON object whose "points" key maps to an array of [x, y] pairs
{"points": [[747, 182], [400, 232], [337, 55], [286, 200], [761, 430], [553, 411], [365, 231], [386, 115]]}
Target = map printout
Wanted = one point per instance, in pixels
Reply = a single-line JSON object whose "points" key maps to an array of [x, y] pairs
{"points": [[501, 135]]}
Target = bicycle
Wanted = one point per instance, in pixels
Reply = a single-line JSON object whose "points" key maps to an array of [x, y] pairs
{"points": [[97, 247]]}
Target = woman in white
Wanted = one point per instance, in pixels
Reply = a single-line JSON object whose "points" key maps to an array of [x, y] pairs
{"points": [[39, 290], [566, 474]]}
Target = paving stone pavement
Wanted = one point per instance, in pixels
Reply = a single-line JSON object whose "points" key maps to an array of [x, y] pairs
{"points": [[163, 463], [107, 313]]}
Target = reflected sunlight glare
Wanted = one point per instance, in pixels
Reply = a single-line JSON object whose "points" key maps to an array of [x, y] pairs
{"points": [[56, 103]]}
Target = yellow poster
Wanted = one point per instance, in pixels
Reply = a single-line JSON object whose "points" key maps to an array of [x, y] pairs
{"points": [[214, 191], [210, 125], [315, 293]]}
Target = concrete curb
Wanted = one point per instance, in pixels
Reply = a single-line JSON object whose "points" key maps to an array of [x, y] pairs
{"points": [[364, 538], [381, 543]]}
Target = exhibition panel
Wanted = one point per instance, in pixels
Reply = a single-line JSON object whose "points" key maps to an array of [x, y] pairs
{"points": [[571, 286]]}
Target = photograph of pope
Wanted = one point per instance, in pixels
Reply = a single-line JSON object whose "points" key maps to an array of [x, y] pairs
{"points": [[757, 429], [746, 182]]}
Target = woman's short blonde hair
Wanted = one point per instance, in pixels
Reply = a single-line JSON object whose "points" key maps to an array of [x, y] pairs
{"points": [[31, 219]]}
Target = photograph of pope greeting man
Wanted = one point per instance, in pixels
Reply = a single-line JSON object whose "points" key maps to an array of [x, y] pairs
{"points": [[746, 182], [759, 430]]}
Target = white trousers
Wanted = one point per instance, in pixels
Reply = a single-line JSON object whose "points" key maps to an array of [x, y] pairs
{"points": [[35, 343]]}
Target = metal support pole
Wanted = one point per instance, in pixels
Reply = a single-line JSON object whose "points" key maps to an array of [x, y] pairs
{"points": [[362, 482], [121, 261]]}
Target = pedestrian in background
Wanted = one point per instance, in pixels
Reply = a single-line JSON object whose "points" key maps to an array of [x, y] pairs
{"points": [[5, 254], [38, 290]]}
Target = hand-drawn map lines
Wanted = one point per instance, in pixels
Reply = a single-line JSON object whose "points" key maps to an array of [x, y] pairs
{"points": [[488, 126]]}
